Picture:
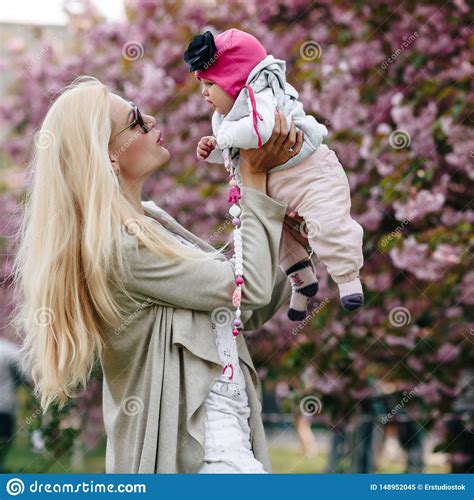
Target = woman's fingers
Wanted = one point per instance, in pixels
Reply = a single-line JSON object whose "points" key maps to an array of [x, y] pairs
{"points": [[295, 227], [283, 130], [290, 140], [293, 221], [276, 128], [276, 151], [289, 223], [299, 142]]}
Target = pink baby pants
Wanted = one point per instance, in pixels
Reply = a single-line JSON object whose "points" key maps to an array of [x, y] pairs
{"points": [[318, 190]]}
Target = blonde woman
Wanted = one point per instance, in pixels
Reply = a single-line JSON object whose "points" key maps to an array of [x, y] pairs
{"points": [[99, 272]]}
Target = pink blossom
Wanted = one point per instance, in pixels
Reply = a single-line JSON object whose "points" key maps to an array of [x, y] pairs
{"points": [[447, 352], [467, 288], [417, 208]]}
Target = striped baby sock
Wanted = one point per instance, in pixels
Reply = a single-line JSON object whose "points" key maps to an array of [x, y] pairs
{"points": [[351, 294], [304, 285]]}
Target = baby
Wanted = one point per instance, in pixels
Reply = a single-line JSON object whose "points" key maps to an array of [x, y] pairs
{"points": [[244, 86]]}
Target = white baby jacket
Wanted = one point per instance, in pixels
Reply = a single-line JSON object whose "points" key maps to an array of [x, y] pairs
{"points": [[250, 122]]}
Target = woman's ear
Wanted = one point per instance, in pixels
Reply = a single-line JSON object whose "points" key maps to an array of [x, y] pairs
{"points": [[114, 163]]}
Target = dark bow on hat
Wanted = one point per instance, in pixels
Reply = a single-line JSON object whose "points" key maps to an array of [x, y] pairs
{"points": [[200, 51]]}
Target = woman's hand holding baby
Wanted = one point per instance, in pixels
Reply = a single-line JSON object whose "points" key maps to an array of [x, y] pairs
{"points": [[293, 223], [282, 145], [205, 147]]}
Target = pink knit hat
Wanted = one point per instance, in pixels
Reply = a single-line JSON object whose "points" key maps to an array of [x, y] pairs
{"points": [[237, 53]]}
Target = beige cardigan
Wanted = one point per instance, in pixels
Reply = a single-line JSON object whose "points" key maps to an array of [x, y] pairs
{"points": [[160, 365]]}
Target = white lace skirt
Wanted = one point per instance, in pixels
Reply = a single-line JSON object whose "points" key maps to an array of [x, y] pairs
{"points": [[227, 436]]}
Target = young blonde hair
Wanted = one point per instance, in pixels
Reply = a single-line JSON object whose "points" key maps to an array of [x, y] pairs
{"points": [[69, 243]]}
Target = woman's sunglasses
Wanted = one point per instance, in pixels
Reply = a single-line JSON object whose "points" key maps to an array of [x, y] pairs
{"points": [[137, 120]]}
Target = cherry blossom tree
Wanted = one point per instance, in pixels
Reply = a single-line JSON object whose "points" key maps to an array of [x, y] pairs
{"points": [[391, 82]]}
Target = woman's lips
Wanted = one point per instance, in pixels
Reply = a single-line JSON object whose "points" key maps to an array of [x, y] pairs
{"points": [[159, 139]]}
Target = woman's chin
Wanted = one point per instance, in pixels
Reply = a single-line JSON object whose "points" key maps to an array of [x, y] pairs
{"points": [[163, 156]]}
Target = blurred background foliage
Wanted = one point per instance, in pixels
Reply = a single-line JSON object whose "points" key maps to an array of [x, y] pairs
{"points": [[393, 83]]}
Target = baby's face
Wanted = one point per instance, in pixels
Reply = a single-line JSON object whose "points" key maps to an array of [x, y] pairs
{"points": [[217, 97]]}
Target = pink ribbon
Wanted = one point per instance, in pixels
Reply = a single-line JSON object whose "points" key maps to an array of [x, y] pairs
{"points": [[255, 113]]}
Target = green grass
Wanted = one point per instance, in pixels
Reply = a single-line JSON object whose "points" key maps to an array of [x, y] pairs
{"points": [[286, 461], [289, 461], [20, 458]]}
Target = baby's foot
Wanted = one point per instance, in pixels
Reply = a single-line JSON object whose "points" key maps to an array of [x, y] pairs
{"points": [[304, 285], [351, 294]]}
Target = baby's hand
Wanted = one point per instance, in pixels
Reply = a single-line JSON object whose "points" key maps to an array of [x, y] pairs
{"points": [[206, 145]]}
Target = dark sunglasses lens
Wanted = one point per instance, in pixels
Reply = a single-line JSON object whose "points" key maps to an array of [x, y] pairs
{"points": [[140, 121]]}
